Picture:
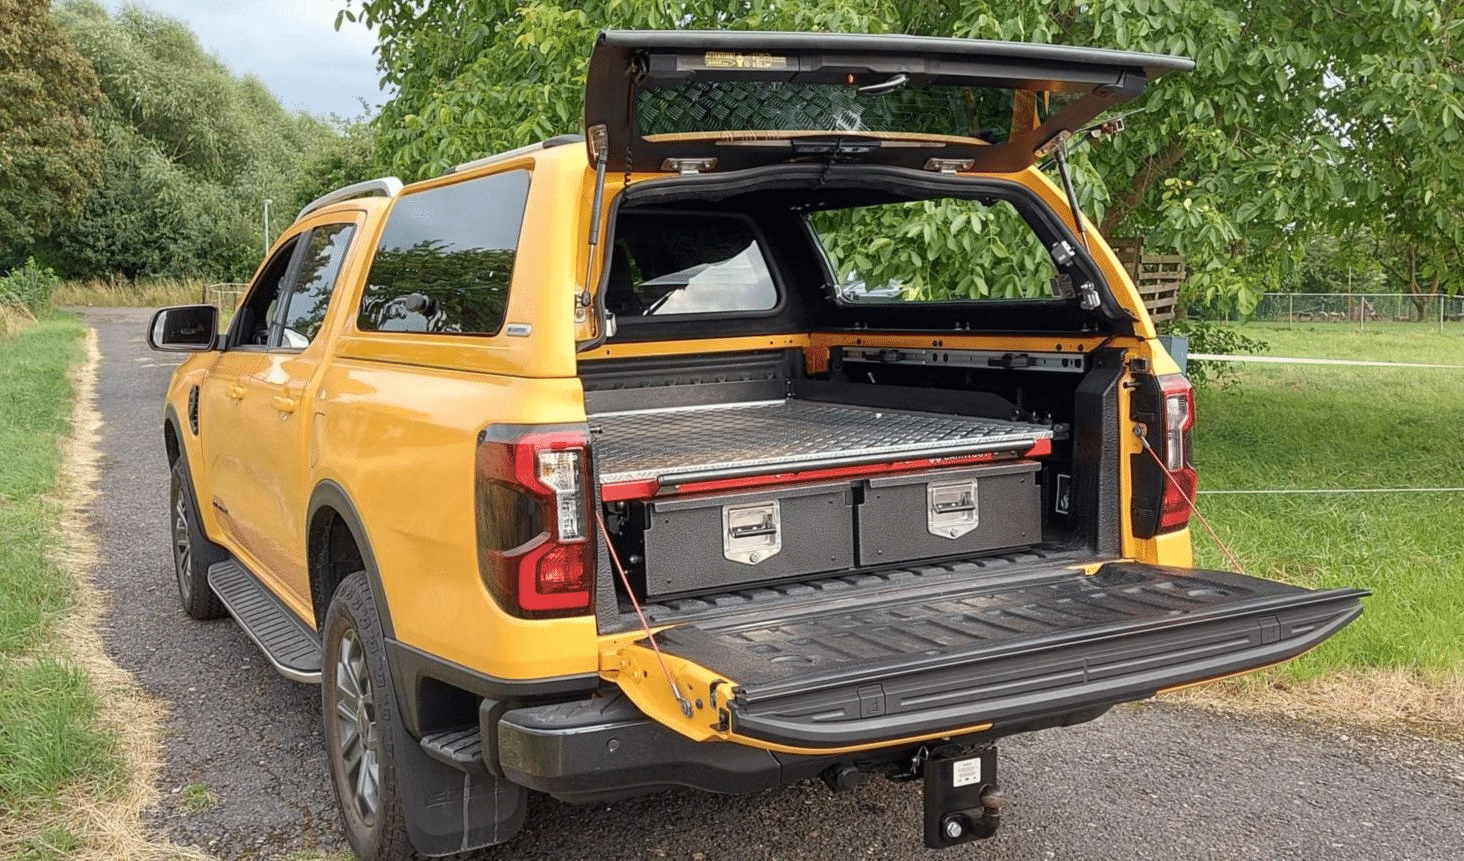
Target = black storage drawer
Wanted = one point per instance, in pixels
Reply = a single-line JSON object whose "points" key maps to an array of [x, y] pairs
{"points": [[711, 543], [949, 512]]}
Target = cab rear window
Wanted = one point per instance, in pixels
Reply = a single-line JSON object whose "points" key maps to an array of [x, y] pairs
{"points": [[685, 263], [446, 258]]}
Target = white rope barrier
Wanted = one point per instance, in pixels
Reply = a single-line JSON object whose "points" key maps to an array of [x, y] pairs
{"points": [[1282, 360]]}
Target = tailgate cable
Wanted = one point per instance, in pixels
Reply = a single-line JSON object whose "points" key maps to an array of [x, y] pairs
{"points": [[646, 626], [1189, 500]]}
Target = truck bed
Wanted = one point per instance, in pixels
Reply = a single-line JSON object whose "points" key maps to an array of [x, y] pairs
{"points": [[678, 445]]}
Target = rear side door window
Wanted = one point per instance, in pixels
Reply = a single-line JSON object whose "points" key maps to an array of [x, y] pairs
{"points": [[446, 259]]}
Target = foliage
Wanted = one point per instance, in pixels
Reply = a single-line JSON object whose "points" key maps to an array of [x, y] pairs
{"points": [[48, 151], [191, 153], [54, 746], [346, 158], [1338, 264], [151, 216], [1299, 117], [1208, 336], [29, 287]]}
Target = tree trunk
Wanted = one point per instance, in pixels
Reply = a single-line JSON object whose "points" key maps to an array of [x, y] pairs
{"points": [[1155, 168]]}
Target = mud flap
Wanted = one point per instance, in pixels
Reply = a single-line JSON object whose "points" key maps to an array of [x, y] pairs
{"points": [[450, 811]]}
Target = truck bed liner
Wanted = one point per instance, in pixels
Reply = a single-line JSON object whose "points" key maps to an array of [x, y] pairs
{"points": [[684, 444]]}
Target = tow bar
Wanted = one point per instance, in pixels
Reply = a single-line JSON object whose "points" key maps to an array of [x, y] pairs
{"points": [[962, 799]]}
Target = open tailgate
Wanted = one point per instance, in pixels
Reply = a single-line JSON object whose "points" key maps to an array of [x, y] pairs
{"points": [[959, 658], [723, 100]]}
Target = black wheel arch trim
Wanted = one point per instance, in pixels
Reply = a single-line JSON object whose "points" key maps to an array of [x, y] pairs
{"points": [[170, 419], [329, 494], [410, 666]]}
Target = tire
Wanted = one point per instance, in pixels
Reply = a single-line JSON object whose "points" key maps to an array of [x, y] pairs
{"points": [[193, 553], [359, 712]]}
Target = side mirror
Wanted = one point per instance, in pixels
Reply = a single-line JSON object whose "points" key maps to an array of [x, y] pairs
{"points": [[184, 329]]}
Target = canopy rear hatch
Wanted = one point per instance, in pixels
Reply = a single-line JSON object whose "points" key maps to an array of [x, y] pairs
{"points": [[1039, 649], [715, 100]]}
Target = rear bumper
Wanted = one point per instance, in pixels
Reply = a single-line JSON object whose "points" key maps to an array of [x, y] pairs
{"points": [[604, 748]]}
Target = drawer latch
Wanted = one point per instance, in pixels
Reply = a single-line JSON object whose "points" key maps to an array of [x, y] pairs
{"points": [[751, 532], [952, 509]]}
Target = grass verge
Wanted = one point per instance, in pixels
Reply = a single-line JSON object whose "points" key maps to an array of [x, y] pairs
{"points": [[77, 738], [152, 293], [1299, 427]]}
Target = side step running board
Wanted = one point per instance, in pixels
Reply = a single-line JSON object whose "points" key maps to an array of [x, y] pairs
{"points": [[288, 643]]}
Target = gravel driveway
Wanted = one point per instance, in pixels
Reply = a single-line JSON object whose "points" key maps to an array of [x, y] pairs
{"points": [[1146, 781]]}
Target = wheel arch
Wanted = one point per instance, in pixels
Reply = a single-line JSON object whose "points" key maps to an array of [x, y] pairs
{"points": [[172, 440], [337, 546]]}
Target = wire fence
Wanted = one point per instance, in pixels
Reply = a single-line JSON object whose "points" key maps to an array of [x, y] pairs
{"points": [[1359, 309], [224, 295]]}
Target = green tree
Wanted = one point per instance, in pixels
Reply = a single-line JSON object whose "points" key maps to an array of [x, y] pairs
{"points": [[348, 157], [48, 151], [1300, 118], [191, 153]]}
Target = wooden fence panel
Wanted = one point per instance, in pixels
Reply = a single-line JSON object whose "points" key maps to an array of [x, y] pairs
{"points": [[1158, 276]]}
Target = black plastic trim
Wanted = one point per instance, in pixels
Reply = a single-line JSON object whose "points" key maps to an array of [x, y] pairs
{"points": [[328, 493], [1097, 430], [605, 748], [410, 666]]}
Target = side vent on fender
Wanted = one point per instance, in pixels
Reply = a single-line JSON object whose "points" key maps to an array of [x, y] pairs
{"points": [[193, 410]]}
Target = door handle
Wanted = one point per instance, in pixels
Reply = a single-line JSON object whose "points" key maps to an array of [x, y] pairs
{"points": [[236, 392], [284, 405]]}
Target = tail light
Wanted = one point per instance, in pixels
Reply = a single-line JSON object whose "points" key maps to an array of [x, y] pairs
{"points": [[535, 543], [1161, 497]]}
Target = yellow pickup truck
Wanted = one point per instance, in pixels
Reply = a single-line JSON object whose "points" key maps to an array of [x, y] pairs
{"points": [[790, 423]]}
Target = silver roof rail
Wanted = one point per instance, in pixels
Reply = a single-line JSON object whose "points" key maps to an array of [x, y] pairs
{"points": [[386, 186], [551, 143]]}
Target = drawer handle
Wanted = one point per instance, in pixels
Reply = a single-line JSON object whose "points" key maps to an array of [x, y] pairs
{"points": [[751, 530]]}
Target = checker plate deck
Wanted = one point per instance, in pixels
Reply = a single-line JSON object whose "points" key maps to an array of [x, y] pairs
{"points": [[766, 436]]}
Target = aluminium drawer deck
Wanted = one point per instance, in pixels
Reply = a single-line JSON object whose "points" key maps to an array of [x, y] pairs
{"points": [[676, 444]]}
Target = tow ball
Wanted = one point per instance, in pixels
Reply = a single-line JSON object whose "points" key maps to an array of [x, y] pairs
{"points": [[962, 800]]}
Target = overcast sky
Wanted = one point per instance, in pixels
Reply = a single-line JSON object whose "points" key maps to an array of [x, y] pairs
{"points": [[290, 45]]}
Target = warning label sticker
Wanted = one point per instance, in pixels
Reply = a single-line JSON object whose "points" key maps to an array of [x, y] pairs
{"points": [[966, 772], [731, 60]]}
